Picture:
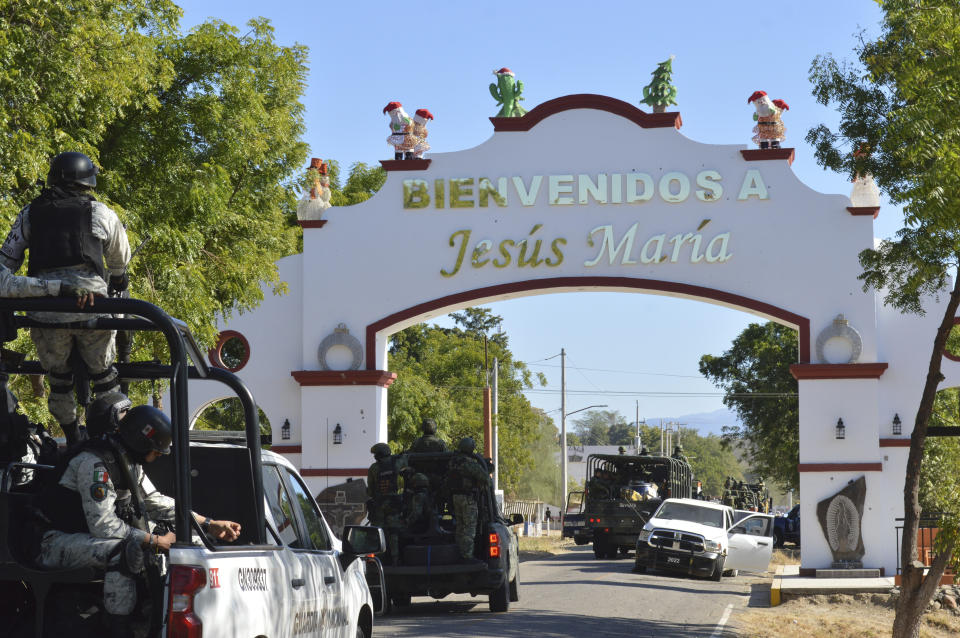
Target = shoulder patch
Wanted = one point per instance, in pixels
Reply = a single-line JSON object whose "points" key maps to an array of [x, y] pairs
{"points": [[100, 474], [98, 491]]}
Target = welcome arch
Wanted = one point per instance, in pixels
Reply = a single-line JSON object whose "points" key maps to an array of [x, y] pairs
{"points": [[587, 192]]}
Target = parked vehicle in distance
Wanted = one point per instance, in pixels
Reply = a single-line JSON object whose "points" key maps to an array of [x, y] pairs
{"points": [[573, 520], [699, 538], [786, 529]]}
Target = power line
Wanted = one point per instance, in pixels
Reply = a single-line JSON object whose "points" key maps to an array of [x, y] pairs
{"points": [[654, 374]]}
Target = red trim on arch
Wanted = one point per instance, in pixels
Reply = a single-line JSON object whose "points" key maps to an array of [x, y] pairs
{"points": [[837, 370], [894, 442], [311, 223], [287, 449], [586, 101], [802, 323], [405, 165], [760, 154], [872, 211], [840, 467], [336, 471], [382, 378]]}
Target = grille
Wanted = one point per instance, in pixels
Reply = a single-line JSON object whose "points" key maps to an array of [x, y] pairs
{"points": [[680, 541]]}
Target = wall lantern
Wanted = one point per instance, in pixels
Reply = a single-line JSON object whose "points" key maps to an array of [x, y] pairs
{"points": [[841, 429], [337, 435], [897, 430], [285, 430]]}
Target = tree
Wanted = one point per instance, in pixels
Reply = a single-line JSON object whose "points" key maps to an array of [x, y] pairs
{"points": [[897, 108], [660, 93], [594, 427], [757, 363], [362, 183]]}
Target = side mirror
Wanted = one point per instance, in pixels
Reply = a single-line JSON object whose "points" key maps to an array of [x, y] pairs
{"points": [[516, 519], [362, 539]]}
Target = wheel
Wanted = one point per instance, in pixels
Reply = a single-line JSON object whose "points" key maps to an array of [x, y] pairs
{"points": [[639, 569], [514, 590], [612, 552], [599, 550], [732, 573], [500, 599], [717, 570], [400, 600], [777, 538]]}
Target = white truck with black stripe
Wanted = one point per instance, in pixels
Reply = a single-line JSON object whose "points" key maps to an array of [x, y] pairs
{"points": [[286, 575]]}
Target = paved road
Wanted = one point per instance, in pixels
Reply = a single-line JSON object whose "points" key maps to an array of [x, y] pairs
{"points": [[574, 595]]}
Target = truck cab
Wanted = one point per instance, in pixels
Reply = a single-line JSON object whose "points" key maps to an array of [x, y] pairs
{"points": [[287, 574]]}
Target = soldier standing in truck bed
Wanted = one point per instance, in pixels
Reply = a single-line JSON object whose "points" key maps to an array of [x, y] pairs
{"points": [[465, 475], [429, 441]]}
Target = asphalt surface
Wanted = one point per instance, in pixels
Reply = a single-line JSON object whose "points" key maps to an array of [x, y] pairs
{"points": [[572, 594]]}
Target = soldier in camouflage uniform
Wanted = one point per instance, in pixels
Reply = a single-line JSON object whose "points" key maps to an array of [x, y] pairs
{"points": [[465, 475], [418, 506], [93, 522], [385, 504], [429, 442], [15, 286], [69, 235]]}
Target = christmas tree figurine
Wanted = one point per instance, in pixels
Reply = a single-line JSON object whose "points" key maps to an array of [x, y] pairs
{"points": [[660, 93], [507, 92]]}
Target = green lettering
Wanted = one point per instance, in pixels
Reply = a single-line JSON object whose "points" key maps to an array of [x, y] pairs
{"points": [[460, 253], [415, 193], [555, 248], [460, 188], [505, 253]]}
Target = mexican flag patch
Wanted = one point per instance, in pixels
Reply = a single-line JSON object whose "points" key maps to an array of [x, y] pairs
{"points": [[100, 475]]}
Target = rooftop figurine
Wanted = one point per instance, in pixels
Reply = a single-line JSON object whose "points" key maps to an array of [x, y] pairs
{"points": [[402, 138], [420, 132], [769, 131], [507, 92], [316, 199], [660, 93]]}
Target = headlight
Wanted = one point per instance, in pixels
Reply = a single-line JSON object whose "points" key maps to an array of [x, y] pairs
{"points": [[645, 535], [712, 546]]}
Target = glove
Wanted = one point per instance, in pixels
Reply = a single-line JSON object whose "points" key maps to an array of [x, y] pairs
{"points": [[118, 283], [71, 290]]}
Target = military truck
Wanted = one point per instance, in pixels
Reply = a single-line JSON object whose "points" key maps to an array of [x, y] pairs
{"points": [[430, 564], [752, 497], [623, 491], [287, 573]]}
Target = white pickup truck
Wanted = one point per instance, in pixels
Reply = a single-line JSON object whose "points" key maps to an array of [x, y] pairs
{"points": [[700, 538], [287, 574]]}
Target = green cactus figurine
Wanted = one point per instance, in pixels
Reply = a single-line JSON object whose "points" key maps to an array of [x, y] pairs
{"points": [[660, 93], [507, 92]]}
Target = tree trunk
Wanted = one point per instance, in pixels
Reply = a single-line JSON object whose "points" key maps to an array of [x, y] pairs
{"points": [[915, 591]]}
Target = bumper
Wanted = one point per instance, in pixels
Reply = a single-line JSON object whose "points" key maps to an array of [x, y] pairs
{"points": [[690, 563], [620, 537], [440, 580]]}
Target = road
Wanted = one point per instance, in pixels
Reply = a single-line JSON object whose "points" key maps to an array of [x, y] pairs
{"points": [[572, 594]]}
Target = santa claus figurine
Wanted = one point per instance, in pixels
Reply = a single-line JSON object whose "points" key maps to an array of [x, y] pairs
{"points": [[401, 131], [420, 132], [317, 199], [769, 131]]}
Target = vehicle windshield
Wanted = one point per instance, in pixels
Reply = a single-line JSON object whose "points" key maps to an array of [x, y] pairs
{"points": [[691, 513]]}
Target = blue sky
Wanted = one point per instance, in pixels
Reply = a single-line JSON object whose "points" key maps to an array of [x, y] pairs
{"points": [[439, 55]]}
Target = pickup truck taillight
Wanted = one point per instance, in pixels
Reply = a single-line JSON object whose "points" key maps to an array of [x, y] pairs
{"points": [[494, 545], [185, 581]]}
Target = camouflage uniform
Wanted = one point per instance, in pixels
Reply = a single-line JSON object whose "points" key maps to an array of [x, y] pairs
{"points": [[418, 505], [15, 286], [385, 508], [464, 475], [110, 539], [96, 348], [429, 443]]}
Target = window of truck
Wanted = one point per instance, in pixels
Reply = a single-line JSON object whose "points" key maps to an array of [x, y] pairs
{"points": [[281, 509], [308, 509], [691, 513]]}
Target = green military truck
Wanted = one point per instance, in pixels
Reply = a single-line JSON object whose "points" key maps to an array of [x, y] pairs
{"points": [[622, 492], [751, 497]]}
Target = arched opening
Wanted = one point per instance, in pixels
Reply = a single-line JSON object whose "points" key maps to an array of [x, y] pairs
{"points": [[225, 414]]}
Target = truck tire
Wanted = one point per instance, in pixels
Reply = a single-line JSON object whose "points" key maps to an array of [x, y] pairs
{"points": [[599, 549], [717, 574], [500, 599], [638, 568], [514, 590], [400, 600]]}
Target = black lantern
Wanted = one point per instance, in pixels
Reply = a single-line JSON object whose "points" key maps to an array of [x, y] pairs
{"points": [[897, 430], [841, 429], [337, 435], [285, 430]]}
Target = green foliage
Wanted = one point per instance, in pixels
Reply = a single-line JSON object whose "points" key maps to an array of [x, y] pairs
{"points": [[440, 374], [362, 182], [594, 428], [227, 414], [758, 363], [660, 93], [939, 480]]}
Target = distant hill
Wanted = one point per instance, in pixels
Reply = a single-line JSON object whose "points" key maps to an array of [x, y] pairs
{"points": [[705, 422]]}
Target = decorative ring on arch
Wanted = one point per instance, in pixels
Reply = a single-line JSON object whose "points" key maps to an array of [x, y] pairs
{"points": [[216, 352], [840, 328], [340, 337]]}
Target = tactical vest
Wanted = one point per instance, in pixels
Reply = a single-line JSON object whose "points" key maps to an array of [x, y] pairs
{"points": [[62, 507], [387, 477], [61, 233], [458, 481]]}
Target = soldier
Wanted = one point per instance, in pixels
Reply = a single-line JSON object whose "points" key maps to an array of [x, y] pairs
{"points": [[385, 506], [621, 450], [69, 235], [92, 511], [465, 475], [418, 510], [429, 442], [15, 286], [105, 413], [644, 451], [678, 453]]}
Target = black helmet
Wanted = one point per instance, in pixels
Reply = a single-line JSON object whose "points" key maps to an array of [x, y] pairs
{"points": [[72, 168], [146, 429], [103, 415], [419, 481], [380, 450], [466, 445], [429, 426]]}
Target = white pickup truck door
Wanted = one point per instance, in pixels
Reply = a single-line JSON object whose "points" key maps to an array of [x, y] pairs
{"points": [[750, 543]]}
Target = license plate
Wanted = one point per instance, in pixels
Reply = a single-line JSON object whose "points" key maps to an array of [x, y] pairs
{"points": [[673, 559]]}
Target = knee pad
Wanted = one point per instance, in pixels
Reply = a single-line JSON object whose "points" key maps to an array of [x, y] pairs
{"points": [[105, 381], [61, 382]]}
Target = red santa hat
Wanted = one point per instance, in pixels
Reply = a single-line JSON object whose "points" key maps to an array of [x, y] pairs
{"points": [[756, 96], [504, 71], [424, 114], [392, 106], [780, 104]]}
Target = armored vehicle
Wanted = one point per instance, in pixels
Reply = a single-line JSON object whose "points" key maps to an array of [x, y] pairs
{"points": [[429, 562], [623, 491]]}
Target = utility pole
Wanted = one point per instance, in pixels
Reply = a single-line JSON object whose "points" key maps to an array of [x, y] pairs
{"points": [[496, 433], [563, 428]]}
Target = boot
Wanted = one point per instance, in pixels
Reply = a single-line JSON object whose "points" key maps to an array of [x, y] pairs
{"points": [[398, 155], [764, 144], [775, 144], [409, 156]]}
